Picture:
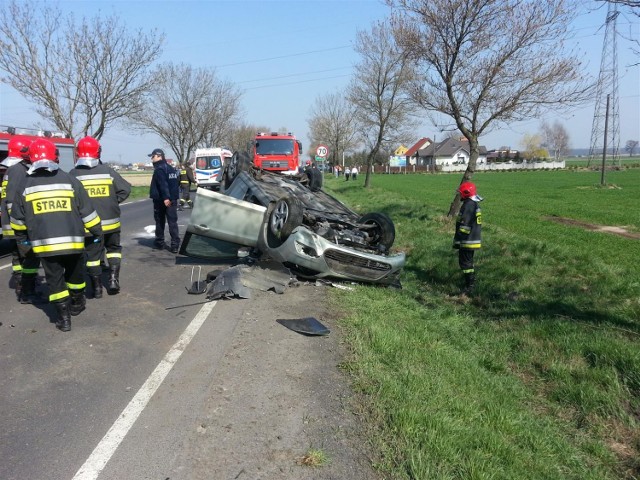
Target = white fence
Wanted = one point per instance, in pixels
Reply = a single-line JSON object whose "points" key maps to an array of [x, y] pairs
{"points": [[480, 167], [493, 166]]}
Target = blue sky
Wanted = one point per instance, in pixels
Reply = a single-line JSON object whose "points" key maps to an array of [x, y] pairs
{"points": [[285, 54]]}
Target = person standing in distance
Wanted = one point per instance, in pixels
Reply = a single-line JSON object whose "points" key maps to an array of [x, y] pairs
{"points": [[52, 212], [164, 191], [107, 190], [468, 235], [354, 173]]}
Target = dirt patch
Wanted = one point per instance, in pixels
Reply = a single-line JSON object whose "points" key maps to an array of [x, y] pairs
{"points": [[138, 179], [621, 231], [280, 400]]}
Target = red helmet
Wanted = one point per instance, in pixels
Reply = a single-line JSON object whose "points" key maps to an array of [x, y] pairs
{"points": [[18, 147], [308, 162], [88, 147], [467, 190], [43, 149]]}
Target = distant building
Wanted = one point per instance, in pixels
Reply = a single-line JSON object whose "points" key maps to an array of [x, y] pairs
{"points": [[448, 152], [412, 153]]}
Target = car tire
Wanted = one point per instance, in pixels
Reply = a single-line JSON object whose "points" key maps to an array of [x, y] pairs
{"points": [[239, 162], [384, 233], [285, 216]]}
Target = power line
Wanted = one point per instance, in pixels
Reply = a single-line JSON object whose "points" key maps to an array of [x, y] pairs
{"points": [[282, 56]]}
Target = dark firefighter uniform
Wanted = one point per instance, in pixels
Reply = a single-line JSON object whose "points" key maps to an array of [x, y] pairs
{"points": [[468, 238], [24, 261], [106, 189], [53, 212], [186, 179]]}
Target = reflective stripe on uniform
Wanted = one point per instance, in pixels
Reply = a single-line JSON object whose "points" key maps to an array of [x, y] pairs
{"points": [[58, 296], [58, 247], [114, 255], [91, 220], [110, 224]]}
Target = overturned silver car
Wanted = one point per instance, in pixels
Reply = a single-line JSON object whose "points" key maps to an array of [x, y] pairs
{"points": [[312, 233]]}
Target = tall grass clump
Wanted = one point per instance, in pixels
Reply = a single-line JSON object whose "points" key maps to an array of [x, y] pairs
{"points": [[537, 375]]}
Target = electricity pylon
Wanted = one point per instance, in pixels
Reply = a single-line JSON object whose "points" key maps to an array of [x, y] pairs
{"points": [[607, 86]]}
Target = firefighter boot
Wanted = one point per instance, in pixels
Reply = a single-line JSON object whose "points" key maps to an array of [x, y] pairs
{"points": [[63, 322], [469, 283], [16, 281], [96, 284], [78, 303], [114, 280], [28, 294]]}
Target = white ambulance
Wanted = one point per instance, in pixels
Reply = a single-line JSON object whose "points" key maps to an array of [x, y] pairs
{"points": [[209, 165]]}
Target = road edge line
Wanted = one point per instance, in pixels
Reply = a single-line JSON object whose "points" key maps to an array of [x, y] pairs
{"points": [[103, 452]]}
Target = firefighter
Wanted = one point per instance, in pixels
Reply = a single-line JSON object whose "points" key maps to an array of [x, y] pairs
{"points": [[107, 190], [24, 262], [467, 237], [52, 211], [186, 179]]}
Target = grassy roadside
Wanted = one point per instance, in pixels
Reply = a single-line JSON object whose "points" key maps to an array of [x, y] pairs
{"points": [[537, 376], [138, 193]]}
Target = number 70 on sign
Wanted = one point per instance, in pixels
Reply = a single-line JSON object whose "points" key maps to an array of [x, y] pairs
{"points": [[322, 151]]}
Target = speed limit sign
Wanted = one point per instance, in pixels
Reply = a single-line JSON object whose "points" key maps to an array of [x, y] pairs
{"points": [[322, 151]]}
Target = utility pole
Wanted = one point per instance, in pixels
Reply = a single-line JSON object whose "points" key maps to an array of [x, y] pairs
{"points": [[604, 150]]}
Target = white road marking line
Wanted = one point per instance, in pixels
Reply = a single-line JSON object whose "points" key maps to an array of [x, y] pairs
{"points": [[5, 266], [118, 431]]}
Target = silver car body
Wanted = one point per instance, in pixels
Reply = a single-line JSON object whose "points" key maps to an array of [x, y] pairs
{"points": [[308, 254]]}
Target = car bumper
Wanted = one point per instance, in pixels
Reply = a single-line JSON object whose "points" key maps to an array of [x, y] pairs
{"points": [[316, 257]]}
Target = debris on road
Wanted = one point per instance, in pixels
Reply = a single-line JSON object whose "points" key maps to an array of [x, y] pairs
{"points": [[306, 326]]}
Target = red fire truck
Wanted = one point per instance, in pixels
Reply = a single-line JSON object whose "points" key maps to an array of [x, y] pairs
{"points": [[66, 145], [276, 152]]}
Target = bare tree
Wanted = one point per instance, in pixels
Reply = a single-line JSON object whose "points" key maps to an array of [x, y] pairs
{"points": [[190, 108], [242, 134], [485, 63], [631, 146], [81, 76], [555, 139], [332, 123], [379, 91]]}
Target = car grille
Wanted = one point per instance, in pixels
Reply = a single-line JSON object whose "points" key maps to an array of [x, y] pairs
{"points": [[348, 264]]}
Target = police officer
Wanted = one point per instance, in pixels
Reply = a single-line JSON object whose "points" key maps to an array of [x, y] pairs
{"points": [[52, 211], [164, 191], [107, 190], [24, 262], [468, 235], [186, 179]]}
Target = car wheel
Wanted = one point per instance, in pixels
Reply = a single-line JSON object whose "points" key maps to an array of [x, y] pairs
{"points": [[239, 163], [285, 216], [384, 232]]}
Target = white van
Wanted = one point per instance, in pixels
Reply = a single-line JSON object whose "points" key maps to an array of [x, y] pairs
{"points": [[209, 165]]}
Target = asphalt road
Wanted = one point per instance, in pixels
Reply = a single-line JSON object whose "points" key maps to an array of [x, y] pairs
{"points": [[60, 393]]}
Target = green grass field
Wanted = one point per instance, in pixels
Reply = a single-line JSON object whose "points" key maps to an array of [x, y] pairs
{"points": [[537, 376]]}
